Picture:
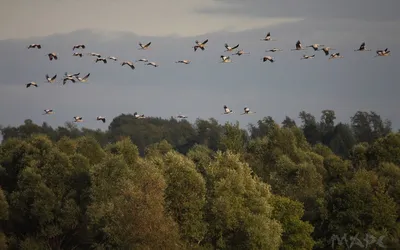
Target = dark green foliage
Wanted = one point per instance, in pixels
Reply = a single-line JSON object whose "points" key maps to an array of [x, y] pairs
{"points": [[167, 184]]}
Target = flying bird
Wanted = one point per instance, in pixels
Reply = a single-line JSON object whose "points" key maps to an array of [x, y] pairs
{"points": [[274, 50], [144, 46], [335, 55], [230, 48], [315, 46], [225, 59], [112, 58], [183, 61], [100, 118], [84, 79], [326, 50], [142, 60], [94, 54], [268, 58], [152, 64], [299, 46], [78, 119], [51, 79], [52, 56], [66, 74], [362, 48], [77, 54], [227, 110], [199, 45], [129, 63], [48, 112], [68, 78], [34, 45], [267, 37], [101, 59], [31, 84], [79, 46], [137, 116], [247, 111], [241, 52], [181, 116], [307, 57], [385, 52]]}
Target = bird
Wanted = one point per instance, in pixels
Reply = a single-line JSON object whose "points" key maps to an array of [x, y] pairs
{"points": [[227, 110], [79, 46], [335, 55], [230, 48], [144, 46], [100, 118], [225, 59], [299, 46], [68, 78], [34, 45], [199, 45], [77, 54], [101, 59], [152, 64], [52, 79], [31, 84], [307, 57], [84, 79], [362, 48], [274, 50], [112, 58], [94, 54], [66, 74], [129, 63], [48, 112], [241, 52], [267, 37], [268, 58], [385, 52], [137, 116], [326, 50], [78, 119], [183, 61], [247, 111], [181, 116], [315, 46], [142, 60], [52, 56]]}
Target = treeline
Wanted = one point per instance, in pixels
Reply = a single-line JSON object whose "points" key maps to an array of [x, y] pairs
{"points": [[167, 184]]}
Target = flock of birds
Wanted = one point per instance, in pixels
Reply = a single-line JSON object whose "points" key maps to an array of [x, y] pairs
{"points": [[198, 46]]}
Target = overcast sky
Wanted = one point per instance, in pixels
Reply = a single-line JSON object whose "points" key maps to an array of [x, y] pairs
{"points": [[356, 82]]}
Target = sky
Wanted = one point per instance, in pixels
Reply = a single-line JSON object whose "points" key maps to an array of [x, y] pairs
{"points": [[359, 81]]}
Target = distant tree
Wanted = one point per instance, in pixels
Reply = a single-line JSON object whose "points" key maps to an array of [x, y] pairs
{"points": [[310, 128], [288, 122], [368, 127]]}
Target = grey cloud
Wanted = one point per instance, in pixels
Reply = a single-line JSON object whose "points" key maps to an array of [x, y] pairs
{"points": [[369, 10]]}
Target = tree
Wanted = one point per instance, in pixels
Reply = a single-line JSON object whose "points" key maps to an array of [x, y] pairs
{"points": [[296, 233], [310, 127], [288, 122], [369, 126], [186, 204], [233, 139], [239, 209]]}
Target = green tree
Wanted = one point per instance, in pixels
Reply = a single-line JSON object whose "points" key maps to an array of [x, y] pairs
{"points": [[186, 197], [296, 233]]}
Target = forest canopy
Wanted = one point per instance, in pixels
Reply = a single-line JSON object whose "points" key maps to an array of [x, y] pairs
{"points": [[168, 184]]}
